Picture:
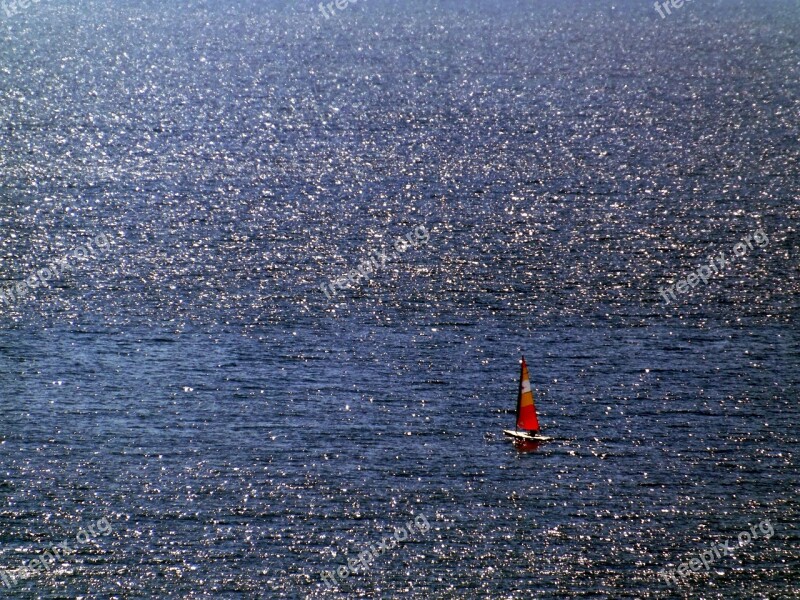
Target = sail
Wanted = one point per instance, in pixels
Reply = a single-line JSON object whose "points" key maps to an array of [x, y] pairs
{"points": [[526, 409]]}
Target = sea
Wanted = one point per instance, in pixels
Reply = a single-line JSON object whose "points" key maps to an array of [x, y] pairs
{"points": [[268, 271]]}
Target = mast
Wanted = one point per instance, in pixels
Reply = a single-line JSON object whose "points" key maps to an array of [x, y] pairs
{"points": [[519, 391], [526, 409]]}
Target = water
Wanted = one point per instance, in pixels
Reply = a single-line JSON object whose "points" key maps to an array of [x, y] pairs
{"points": [[242, 433]]}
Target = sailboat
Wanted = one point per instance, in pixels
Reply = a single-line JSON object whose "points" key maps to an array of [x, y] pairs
{"points": [[527, 422]]}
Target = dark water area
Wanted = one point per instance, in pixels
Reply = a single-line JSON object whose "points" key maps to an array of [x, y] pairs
{"points": [[187, 379]]}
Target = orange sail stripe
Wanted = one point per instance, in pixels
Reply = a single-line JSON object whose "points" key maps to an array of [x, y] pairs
{"points": [[526, 409]]}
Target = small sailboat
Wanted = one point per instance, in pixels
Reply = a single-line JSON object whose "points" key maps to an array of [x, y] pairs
{"points": [[527, 422]]}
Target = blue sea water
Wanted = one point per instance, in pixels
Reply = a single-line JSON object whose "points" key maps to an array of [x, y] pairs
{"points": [[242, 432]]}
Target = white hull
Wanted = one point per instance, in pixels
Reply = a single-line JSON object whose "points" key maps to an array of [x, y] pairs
{"points": [[526, 436]]}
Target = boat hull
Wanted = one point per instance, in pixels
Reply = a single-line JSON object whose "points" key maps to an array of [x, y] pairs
{"points": [[527, 437]]}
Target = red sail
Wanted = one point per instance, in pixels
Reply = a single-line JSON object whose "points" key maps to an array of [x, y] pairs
{"points": [[526, 409]]}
